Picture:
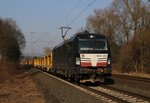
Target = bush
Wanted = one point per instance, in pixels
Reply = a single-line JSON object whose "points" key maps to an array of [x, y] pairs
{"points": [[7, 70]]}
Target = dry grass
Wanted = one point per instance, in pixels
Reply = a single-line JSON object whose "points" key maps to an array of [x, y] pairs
{"points": [[117, 70], [18, 87], [21, 91], [138, 74], [7, 70], [144, 75]]}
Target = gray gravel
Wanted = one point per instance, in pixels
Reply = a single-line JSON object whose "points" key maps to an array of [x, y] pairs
{"points": [[137, 87], [59, 92]]}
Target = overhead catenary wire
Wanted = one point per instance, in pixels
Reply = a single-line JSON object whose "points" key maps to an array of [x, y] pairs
{"points": [[55, 27], [76, 5], [41, 37], [73, 20], [91, 3]]}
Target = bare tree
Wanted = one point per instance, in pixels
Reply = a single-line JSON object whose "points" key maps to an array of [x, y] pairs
{"points": [[105, 22], [47, 50], [129, 21], [11, 40], [124, 20]]}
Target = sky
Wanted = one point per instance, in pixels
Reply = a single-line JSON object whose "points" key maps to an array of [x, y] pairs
{"points": [[40, 20]]}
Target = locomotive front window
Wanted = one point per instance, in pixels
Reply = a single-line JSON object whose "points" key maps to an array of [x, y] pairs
{"points": [[90, 44], [85, 45], [100, 45]]}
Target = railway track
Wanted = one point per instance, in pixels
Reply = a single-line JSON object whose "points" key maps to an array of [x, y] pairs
{"points": [[116, 95], [131, 78], [128, 93], [109, 94], [104, 96]]}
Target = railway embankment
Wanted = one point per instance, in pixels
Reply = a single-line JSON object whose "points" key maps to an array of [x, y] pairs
{"points": [[60, 91], [57, 90]]}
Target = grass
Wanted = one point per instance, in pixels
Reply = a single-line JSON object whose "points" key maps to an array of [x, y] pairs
{"points": [[7, 70], [16, 86]]}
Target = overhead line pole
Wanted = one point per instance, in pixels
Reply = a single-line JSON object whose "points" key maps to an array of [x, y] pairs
{"points": [[32, 50]]}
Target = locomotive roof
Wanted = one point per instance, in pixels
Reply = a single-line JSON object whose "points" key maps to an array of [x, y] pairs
{"points": [[86, 34], [82, 35]]}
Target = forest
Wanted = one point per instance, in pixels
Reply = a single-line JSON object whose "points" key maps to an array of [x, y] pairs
{"points": [[126, 23]]}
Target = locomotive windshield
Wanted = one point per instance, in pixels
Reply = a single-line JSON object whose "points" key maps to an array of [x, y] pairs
{"points": [[90, 44]]}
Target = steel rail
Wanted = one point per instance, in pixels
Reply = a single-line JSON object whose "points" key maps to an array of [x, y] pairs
{"points": [[104, 94], [141, 79], [127, 92]]}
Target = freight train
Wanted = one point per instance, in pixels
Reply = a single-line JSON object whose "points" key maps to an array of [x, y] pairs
{"points": [[84, 57]]}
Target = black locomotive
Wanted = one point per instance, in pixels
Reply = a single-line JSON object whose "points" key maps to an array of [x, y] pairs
{"points": [[83, 57]]}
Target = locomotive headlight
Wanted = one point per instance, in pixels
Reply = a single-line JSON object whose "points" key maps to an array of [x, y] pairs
{"points": [[77, 61], [108, 61], [91, 36]]}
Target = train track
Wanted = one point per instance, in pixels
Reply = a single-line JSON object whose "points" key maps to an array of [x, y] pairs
{"points": [[110, 94], [104, 96], [116, 95], [128, 93], [141, 79]]}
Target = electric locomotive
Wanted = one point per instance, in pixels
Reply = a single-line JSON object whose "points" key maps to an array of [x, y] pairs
{"points": [[83, 57]]}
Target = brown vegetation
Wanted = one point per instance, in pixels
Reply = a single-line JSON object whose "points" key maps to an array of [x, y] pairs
{"points": [[11, 40], [7, 70], [127, 26], [18, 86]]}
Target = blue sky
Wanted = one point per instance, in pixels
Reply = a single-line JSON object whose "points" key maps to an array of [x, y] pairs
{"points": [[44, 17]]}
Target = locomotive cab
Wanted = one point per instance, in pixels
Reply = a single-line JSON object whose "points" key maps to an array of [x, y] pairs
{"points": [[93, 58], [83, 57]]}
